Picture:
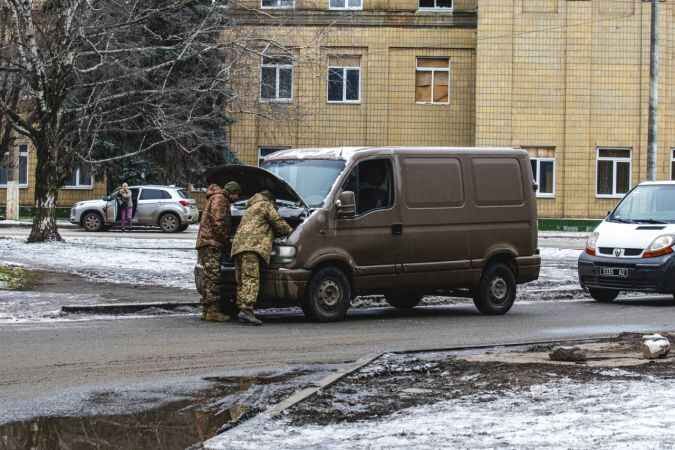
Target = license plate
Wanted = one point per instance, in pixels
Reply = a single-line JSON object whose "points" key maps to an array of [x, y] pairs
{"points": [[613, 272]]}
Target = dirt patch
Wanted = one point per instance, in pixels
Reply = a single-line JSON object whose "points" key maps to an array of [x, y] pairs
{"points": [[396, 382], [66, 283], [16, 278]]}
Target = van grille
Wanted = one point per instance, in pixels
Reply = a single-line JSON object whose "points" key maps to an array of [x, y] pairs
{"points": [[609, 251]]}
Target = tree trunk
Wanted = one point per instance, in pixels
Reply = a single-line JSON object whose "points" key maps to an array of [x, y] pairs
{"points": [[46, 192]]}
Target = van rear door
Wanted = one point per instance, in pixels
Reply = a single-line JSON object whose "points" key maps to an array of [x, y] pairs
{"points": [[435, 221]]}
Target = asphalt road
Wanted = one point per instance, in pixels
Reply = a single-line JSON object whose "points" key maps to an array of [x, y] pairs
{"points": [[40, 360]]}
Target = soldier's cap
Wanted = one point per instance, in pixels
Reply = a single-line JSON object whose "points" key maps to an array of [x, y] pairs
{"points": [[232, 187]]}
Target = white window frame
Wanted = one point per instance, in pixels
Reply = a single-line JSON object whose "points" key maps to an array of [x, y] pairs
{"points": [[344, 84], [614, 161], [22, 153], [346, 7], [537, 180], [433, 77], [79, 184], [278, 67], [672, 160], [436, 8], [292, 6]]}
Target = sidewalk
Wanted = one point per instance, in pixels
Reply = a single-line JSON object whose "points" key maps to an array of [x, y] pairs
{"points": [[28, 223]]}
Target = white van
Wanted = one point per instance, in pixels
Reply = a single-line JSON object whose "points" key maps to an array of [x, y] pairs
{"points": [[632, 249]]}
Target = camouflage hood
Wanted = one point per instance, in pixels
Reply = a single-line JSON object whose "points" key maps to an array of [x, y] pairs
{"points": [[213, 190]]}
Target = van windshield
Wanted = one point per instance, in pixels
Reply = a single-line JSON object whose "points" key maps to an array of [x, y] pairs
{"points": [[647, 204], [312, 179]]}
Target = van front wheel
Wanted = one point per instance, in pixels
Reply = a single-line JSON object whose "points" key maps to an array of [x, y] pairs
{"points": [[497, 290], [328, 296]]}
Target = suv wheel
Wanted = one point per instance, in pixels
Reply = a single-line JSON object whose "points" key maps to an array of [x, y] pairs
{"points": [[169, 222], [92, 221], [497, 290], [403, 300], [603, 295], [328, 296]]}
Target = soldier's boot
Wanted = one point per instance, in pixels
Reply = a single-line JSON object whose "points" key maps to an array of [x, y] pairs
{"points": [[247, 317], [212, 314]]}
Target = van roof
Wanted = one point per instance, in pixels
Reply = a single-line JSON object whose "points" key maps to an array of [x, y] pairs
{"points": [[347, 153], [651, 183]]}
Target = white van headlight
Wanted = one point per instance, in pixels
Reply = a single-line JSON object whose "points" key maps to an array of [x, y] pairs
{"points": [[592, 243], [662, 245]]}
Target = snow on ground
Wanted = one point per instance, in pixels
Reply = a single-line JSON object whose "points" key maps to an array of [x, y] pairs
{"points": [[635, 414], [165, 262]]}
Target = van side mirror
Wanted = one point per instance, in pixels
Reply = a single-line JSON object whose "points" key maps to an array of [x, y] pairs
{"points": [[346, 205]]}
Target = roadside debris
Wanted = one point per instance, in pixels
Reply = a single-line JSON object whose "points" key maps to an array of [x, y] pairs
{"points": [[569, 354], [655, 346]]}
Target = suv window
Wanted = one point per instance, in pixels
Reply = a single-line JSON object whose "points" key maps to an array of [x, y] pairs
{"points": [[372, 184], [154, 194], [182, 193]]}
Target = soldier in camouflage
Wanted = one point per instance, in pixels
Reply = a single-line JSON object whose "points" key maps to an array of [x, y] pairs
{"points": [[252, 246], [213, 240]]}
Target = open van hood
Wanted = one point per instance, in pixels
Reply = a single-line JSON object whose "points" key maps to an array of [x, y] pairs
{"points": [[253, 180]]}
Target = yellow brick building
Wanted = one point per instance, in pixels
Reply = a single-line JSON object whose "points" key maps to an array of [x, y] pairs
{"points": [[565, 79]]}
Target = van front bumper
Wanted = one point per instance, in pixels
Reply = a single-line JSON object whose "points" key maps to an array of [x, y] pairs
{"points": [[640, 274], [278, 284]]}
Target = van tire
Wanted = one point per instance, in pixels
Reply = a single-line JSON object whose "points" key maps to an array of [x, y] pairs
{"points": [[92, 221], [328, 295], [603, 295], [403, 300], [497, 290]]}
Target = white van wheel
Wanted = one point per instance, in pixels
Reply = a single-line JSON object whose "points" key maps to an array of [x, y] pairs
{"points": [[328, 295], [497, 290]]}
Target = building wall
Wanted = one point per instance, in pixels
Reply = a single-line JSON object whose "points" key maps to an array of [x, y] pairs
{"points": [[573, 76], [67, 196], [387, 113]]}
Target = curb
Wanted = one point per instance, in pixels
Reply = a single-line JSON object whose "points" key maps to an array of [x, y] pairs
{"points": [[123, 308], [64, 225]]}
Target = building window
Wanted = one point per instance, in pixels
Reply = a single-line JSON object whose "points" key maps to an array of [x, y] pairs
{"points": [[613, 172], [278, 4], [23, 168], [344, 79], [264, 151], [345, 4], [80, 178], [432, 81], [672, 165], [543, 170], [276, 79], [436, 5]]}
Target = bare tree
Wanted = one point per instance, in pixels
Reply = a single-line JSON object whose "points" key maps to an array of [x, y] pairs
{"points": [[103, 80]]}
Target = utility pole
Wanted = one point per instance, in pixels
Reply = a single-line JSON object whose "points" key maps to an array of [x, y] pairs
{"points": [[12, 204], [654, 68]]}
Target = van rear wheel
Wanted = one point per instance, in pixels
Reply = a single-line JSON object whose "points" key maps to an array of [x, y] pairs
{"points": [[603, 295], [403, 300], [497, 290], [328, 296]]}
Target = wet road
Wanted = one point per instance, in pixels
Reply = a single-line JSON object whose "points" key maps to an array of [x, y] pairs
{"points": [[42, 360]]}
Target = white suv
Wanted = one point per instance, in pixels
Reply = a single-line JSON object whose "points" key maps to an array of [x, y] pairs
{"points": [[167, 207]]}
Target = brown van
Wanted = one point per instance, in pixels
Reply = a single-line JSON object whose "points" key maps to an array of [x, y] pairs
{"points": [[400, 222]]}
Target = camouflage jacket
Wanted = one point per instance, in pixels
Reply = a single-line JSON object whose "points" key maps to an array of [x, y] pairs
{"points": [[214, 227], [258, 228]]}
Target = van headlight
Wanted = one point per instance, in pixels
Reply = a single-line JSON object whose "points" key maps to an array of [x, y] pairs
{"points": [[592, 243], [283, 254], [662, 245]]}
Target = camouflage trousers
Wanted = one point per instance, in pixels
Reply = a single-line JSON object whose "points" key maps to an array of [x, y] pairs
{"points": [[212, 292], [248, 280]]}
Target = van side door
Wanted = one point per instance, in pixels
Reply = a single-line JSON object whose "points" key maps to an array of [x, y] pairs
{"points": [[436, 222], [372, 238]]}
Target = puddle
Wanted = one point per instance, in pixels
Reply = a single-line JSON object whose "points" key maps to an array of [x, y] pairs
{"points": [[177, 424]]}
